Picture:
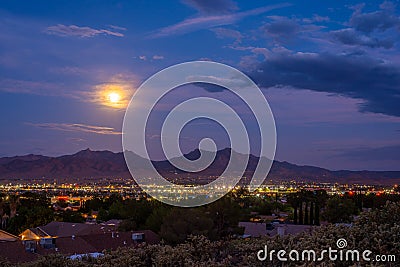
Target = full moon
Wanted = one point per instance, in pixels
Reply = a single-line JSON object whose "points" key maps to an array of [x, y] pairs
{"points": [[114, 97]]}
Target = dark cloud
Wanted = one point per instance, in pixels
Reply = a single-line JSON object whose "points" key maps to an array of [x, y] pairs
{"points": [[282, 27], [352, 37], [378, 29], [227, 33], [380, 20], [212, 6], [359, 76], [210, 87]]}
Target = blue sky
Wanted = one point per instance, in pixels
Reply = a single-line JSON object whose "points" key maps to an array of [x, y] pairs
{"points": [[330, 71]]}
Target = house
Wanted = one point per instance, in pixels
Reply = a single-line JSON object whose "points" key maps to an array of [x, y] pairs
{"points": [[7, 237], [70, 202], [112, 222], [254, 229], [258, 229], [32, 237], [12, 249], [70, 239]]}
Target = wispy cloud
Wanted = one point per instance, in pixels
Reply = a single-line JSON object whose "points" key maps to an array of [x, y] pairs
{"points": [[228, 33], [36, 88], [316, 18], [77, 31], [209, 21], [212, 6], [77, 127], [118, 28], [122, 84], [158, 57], [151, 57]]}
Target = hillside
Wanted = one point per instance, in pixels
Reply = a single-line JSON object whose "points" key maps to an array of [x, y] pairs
{"points": [[88, 164]]}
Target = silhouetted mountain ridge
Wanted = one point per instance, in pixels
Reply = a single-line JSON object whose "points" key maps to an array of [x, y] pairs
{"points": [[88, 164]]}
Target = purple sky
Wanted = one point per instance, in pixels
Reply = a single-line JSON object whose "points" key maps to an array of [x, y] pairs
{"points": [[330, 71]]}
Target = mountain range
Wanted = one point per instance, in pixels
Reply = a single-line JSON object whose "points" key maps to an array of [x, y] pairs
{"points": [[88, 165]]}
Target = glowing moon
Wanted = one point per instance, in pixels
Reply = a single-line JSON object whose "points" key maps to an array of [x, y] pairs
{"points": [[114, 97]]}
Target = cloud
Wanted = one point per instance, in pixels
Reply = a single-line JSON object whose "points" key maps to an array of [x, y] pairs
{"points": [[359, 76], [380, 20], [73, 30], [76, 140], [35, 88], [378, 29], [255, 50], [77, 127], [212, 6], [158, 57], [222, 33], [316, 18], [71, 71], [351, 37], [122, 84], [282, 26], [210, 21], [281, 29], [117, 28]]}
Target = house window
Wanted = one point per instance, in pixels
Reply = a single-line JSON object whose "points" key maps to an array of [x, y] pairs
{"points": [[47, 243], [138, 237]]}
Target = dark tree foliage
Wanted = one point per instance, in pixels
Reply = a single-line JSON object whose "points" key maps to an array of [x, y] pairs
{"points": [[377, 230]]}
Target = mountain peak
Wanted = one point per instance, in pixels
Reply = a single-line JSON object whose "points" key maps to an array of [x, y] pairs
{"points": [[87, 153], [99, 164], [195, 154]]}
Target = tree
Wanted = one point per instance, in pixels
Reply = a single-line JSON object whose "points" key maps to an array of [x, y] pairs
{"points": [[156, 218], [71, 216], [225, 214], [102, 215], [182, 222], [320, 199], [293, 200], [28, 210], [312, 219], [116, 210], [94, 204], [339, 210], [127, 225], [200, 251]]}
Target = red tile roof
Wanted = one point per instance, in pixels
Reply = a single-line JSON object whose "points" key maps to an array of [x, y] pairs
{"points": [[15, 252], [66, 229], [88, 238]]}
